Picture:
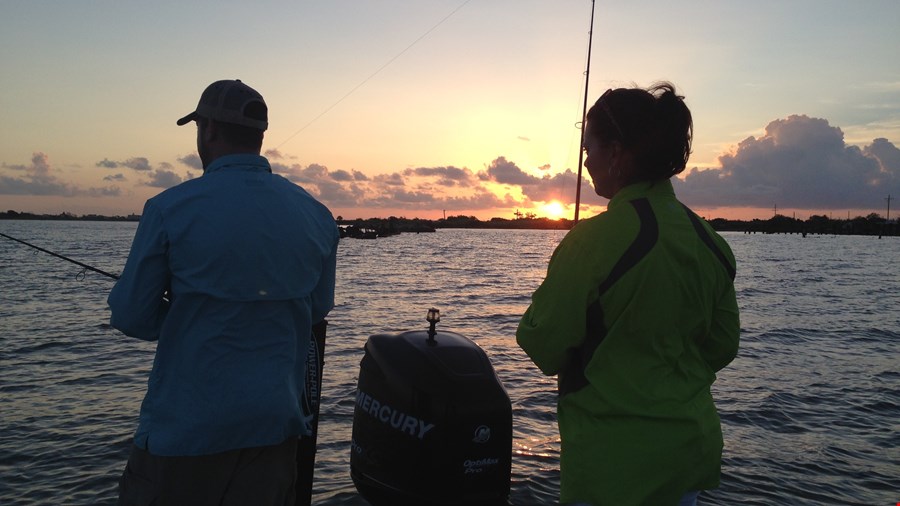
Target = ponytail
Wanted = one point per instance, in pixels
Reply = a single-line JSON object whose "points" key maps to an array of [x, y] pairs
{"points": [[672, 131]]}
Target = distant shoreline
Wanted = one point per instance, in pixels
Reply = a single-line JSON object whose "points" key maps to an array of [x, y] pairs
{"points": [[15, 215], [873, 224]]}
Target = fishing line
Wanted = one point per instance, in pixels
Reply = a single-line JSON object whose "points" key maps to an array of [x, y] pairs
{"points": [[364, 81], [85, 267]]}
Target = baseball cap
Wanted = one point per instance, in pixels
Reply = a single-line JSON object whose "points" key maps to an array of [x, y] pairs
{"points": [[231, 101]]}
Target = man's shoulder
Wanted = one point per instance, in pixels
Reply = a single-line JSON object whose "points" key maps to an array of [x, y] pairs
{"points": [[176, 192]]}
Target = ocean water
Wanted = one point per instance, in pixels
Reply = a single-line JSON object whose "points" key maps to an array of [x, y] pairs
{"points": [[810, 408]]}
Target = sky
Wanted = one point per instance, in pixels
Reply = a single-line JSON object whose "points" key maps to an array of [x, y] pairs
{"points": [[440, 108]]}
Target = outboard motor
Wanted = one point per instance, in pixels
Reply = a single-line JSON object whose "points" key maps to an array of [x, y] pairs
{"points": [[432, 423]]}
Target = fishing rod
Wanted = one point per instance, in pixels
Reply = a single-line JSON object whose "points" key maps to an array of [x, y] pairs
{"points": [[587, 76], [86, 267]]}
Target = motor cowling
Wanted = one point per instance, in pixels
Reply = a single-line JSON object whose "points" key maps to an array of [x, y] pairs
{"points": [[432, 423]]}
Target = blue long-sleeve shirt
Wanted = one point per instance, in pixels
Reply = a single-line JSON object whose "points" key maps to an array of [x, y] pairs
{"points": [[248, 259]]}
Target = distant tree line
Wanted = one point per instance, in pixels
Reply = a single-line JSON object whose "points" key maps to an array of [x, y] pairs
{"points": [[873, 224], [66, 216]]}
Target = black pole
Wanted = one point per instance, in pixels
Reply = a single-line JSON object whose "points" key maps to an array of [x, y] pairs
{"points": [[587, 75], [67, 259]]}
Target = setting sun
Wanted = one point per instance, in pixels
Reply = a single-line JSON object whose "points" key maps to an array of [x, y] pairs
{"points": [[554, 210]]}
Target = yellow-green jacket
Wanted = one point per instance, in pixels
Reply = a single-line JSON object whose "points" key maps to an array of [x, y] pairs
{"points": [[636, 315]]}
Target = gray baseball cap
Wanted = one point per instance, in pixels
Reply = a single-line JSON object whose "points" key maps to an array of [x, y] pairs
{"points": [[231, 101]]}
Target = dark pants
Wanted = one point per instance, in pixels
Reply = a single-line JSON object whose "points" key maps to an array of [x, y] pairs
{"points": [[264, 476]]}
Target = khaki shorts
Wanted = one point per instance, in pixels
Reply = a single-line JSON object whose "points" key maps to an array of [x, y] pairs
{"points": [[264, 475]]}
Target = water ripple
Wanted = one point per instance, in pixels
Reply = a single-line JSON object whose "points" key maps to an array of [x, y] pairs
{"points": [[809, 407]]}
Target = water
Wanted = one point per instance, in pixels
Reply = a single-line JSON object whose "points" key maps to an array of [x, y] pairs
{"points": [[810, 408]]}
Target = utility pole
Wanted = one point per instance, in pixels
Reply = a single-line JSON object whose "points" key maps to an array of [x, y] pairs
{"points": [[887, 221]]}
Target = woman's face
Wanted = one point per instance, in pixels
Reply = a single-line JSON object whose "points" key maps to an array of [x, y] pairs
{"points": [[600, 164]]}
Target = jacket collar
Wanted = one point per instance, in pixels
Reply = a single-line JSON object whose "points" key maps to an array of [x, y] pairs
{"points": [[247, 162], [658, 188]]}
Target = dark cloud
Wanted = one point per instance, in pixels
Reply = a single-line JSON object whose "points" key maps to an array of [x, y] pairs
{"points": [[799, 162], [161, 178], [273, 154], [413, 189], [107, 191], [339, 195], [353, 175], [301, 175], [341, 175], [887, 154], [446, 176], [140, 164], [192, 160], [116, 177], [504, 171], [403, 198], [545, 188], [395, 179]]}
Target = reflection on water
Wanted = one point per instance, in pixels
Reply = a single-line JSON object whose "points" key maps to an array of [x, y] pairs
{"points": [[809, 407]]}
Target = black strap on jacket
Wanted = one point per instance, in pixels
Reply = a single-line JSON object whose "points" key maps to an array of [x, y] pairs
{"points": [[571, 375], [708, 240]]}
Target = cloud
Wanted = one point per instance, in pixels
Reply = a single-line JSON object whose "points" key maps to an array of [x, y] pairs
{"points": [[887, 154], [192, 160], [413, 188], [38, 179], [391, 180], [107, 191], [503, 171], [560, 186], [446, 176], [341, 175], [162, 178], [800, 162], [273, 154], [139, 164]]}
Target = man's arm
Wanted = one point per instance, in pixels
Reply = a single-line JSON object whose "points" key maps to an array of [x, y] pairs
{"points": [[136, 301], [323, 294]]}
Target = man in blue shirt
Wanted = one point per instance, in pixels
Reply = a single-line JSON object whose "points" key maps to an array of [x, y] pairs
{"points": [[227, 272]]}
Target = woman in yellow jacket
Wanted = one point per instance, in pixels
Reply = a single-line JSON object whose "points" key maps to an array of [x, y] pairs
{"points": [[636, 315]]}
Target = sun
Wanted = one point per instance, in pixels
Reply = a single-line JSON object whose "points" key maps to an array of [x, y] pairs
{"points": [[554, 210]]}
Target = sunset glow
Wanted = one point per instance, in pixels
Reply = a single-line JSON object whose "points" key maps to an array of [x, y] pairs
{"points": [[554, 210], [433, 108]]}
